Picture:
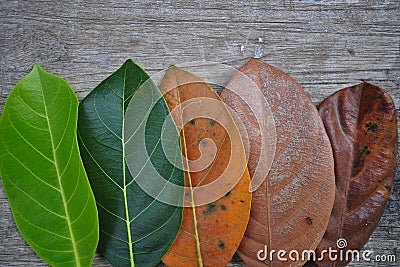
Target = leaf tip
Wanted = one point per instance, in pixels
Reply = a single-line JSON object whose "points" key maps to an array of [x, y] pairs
{"points": [[253, 63], [129, 61], [37, 67], [172, 68]]}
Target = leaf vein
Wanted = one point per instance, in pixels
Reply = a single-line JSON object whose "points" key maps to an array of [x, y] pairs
{"points": [[158, 228], [76, 185], [66, 124], [41, 228], [97, 164], [37, 202], [28, 106], [29, 170], [112, 236], [27, 142], [101, 120], [82, 210], [110, 212]]}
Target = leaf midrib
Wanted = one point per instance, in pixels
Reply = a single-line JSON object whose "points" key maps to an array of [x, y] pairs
{"points": [[267, 199], [63, 197], [343, 215], [193, 206], [128, 221]]}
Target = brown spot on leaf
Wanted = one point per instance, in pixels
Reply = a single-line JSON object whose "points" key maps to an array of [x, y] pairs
{"points": [[365, 151], [221, 244], [203, 142], [210, 209], [371, 127]]}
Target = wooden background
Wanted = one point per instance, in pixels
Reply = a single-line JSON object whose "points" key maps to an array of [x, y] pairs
{"points": [[325, 45]]}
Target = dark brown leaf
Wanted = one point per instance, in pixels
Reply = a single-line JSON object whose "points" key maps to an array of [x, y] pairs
{"points": [[361, 123]]}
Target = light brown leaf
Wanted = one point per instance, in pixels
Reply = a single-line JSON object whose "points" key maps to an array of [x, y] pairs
{"points": [[291, 208], [217, 198]]}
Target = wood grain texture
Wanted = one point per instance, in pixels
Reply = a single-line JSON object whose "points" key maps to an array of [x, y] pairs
{"points": [[324, 45]]}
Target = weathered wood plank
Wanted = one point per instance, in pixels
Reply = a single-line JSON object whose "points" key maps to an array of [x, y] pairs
{"points": [[325, 45]]}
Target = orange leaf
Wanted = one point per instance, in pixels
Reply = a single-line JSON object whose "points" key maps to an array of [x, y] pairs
{"points": [[217, 197], [291, 208]]}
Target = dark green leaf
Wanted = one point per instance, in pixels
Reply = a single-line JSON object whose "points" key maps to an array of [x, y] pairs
{"points": [[136, 228], [42, 171]]}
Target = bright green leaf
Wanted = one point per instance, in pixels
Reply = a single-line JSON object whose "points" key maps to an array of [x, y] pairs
{"points": [[124, 156], [42, 172]]}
